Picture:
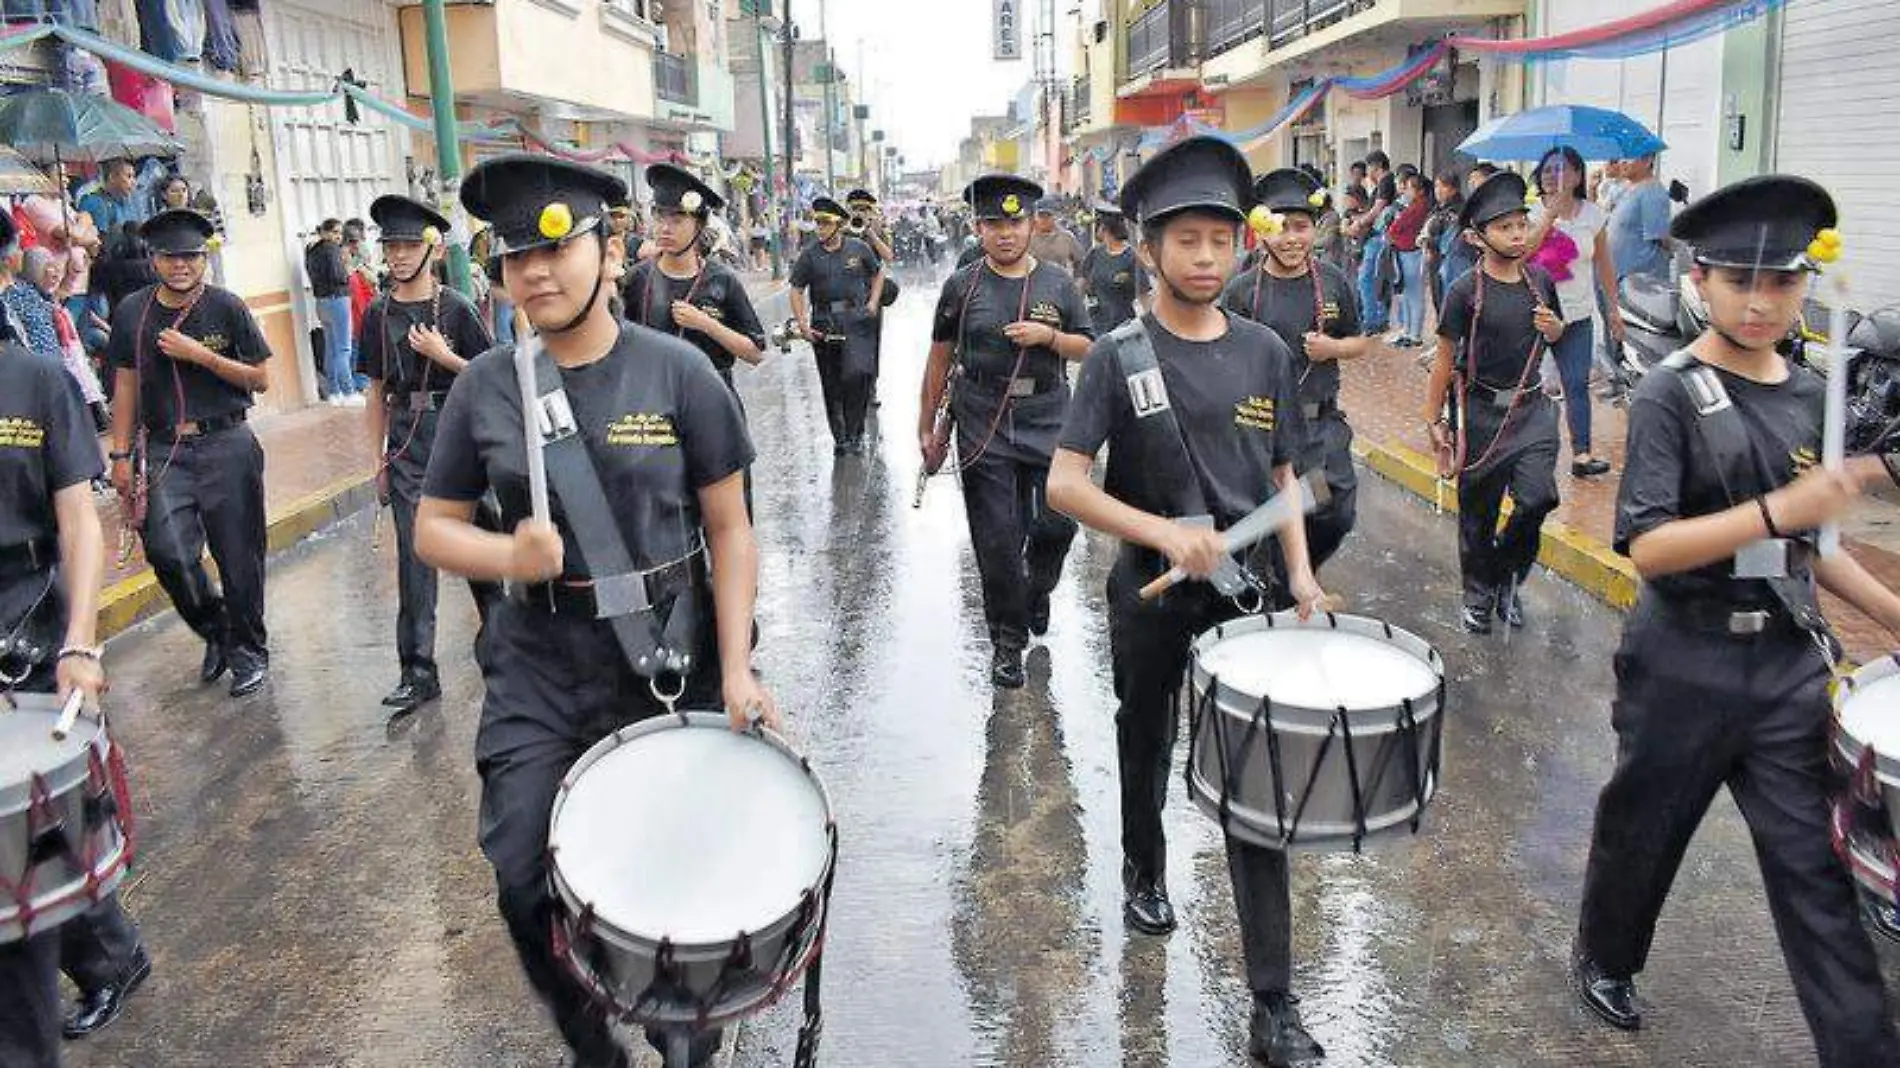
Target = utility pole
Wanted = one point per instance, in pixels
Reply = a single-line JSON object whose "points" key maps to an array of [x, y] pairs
{"points": [[762, 11], [791, 125], [448, 151], [831, 107]]}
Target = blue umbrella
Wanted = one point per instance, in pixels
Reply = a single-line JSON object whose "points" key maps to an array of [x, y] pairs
{"points": [[1595, 133]]}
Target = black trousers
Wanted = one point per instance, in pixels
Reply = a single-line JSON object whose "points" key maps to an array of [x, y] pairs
{"points": [[1525, 467], [93, 949], [1328, 524], [410, 440], [210, 490], [1020, 542], [556, 685], [846, 382], [1695, 712], [1149, 645]]}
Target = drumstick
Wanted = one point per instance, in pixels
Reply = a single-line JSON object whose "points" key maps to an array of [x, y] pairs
{"points": [[68, 715], [1834, 418], [525, 354], [1279, 510]]}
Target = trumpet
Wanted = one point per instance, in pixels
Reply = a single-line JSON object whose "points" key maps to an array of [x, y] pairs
{"points": [[784, 334], [856, 226]]}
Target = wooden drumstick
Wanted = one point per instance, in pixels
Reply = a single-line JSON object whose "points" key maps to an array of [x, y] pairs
{"points": [[525, 354], [68, 715]]}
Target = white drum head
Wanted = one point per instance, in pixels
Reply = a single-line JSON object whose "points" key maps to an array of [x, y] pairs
{"points": [[693, 834], [1318, 668], [1871, 715], [27, 749]]}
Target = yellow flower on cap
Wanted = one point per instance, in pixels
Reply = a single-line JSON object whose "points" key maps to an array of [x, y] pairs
{"points": [[691, 200], [557, 221], [1829, 237], [1264, 222], [431, 236], [1316, 198], [1012, 205], [1821, 252], [214, 243]]}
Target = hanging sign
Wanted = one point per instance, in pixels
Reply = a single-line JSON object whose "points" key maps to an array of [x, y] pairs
{"points": [[1007, 31]]}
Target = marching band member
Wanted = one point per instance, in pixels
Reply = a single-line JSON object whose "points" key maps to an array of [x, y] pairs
{"points": [[1311, 306], [1111, 277], [52, 558], [415, 340], [1492, 333], [569, 660], [1208, 405], [1722, 677], [837, 297], [1008, 324]]}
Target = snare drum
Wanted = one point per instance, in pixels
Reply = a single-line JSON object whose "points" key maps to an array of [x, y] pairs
{"points": [[693, 866], [1867, 742], [63, 846], [1313, 734]]}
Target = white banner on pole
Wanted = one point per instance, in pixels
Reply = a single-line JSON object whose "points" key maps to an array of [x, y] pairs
{"points": [[1007, 31]]}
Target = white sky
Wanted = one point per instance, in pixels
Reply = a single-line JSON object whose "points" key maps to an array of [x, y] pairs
{"points": [[927, 65]]}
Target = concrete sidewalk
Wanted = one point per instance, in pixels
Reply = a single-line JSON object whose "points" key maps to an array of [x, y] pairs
{"points": [[319, 467], [1382, 395]]}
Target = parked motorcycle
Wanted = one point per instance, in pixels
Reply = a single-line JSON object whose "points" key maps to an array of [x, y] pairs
{"points": [[1659, 317]]}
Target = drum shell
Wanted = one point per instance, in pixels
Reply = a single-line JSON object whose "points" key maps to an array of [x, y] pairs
{"points": [[59, 882], [1395, 752], [1864, 860], [621, 966]]}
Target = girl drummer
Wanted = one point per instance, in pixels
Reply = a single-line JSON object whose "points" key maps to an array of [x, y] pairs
{"points": [[668, 444], [1722, 675], [52, 557]]}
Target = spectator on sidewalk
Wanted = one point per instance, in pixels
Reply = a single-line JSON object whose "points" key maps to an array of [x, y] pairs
{"points": [[124, 268], [1415, 199], [1370, 230], [1447, 254], [1563, 206], [70, 234], [173, 193], [1639, 228], [43, 273], [330, 285], [1611, 186], [115, 202], [30, 310]]}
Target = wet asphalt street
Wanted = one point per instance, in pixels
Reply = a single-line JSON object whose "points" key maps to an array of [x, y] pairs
{"points": [[313, 895]]}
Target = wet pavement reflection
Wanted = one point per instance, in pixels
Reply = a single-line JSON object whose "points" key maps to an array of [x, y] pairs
{"points": [[313, 894]]}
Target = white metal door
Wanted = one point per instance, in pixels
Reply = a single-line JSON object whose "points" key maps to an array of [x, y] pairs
{"points": [[1839, 105]]}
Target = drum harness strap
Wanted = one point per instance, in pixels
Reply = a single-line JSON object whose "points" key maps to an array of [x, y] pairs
{"points": [[1232, 760], [1170, 460], [1468, 376], [657, 641]]}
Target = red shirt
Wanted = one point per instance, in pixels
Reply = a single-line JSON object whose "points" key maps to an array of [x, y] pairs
{"points": [[1403, 233]]}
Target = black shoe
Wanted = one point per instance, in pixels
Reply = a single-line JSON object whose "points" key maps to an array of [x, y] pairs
{"points": [[1475, 619], [1039, 615], [1609, 997], [97, 1008], [1591, 468], [1147, 908], [248, 676], [840, 448], [1511, 605], [215, 663], [412, 691], [1006, 668], [1276, 1036]]}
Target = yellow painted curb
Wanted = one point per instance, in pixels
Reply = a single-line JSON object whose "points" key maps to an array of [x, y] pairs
{"points": [[1580, 559], [131, 600]]}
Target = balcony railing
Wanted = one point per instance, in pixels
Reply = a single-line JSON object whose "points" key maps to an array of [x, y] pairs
{"points": [[1150, 44], [1234, 22], [673, 79], [1082, 97], [1287, 19]]}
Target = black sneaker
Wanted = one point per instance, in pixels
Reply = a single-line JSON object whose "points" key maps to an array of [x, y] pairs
{"points": [[97, 1008], [1147, 908], [1591, 468], [1475, 619], [1006, 668], [1039, 615], [1277, 1037]]}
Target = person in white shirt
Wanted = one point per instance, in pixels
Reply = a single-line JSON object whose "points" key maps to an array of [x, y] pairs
{"points": [[1564, 206]]}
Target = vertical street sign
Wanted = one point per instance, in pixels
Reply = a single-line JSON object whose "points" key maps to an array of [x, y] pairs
{"points": [[1007, 31]]}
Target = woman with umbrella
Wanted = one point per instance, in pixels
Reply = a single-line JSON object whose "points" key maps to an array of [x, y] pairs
{"points": [[1563, 207]]}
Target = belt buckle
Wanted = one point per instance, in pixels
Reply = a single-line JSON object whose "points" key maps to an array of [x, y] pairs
{"points": [[1748, 623], [1022, 387], [420, 402], [1504, 398], [621, 595], [1310, 409]]}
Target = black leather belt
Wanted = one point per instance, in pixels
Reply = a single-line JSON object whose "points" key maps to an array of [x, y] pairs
{"points": [[1019, 386], [28, 557], [198, 428], [1500, 398], [418, 400], [604, 598], [1729, 619]]}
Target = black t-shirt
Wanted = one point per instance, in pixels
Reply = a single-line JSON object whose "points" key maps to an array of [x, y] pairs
{"points": [[1234, 398], [658, 421], [382, 347], [1289, 307], [1114, 281], [717, 291], [1507, 330], [46, 444], [1045, 295], [840, 277], [1670, 474], [968, 256], [218, 320], [1387, 190]]}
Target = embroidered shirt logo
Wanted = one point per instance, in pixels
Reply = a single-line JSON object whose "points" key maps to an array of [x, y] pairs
{"points": [[1147, 392], [1044, 311], [1256, 413], [642, 428], [1800, 461], [19, 432]]}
